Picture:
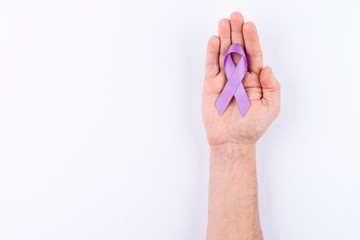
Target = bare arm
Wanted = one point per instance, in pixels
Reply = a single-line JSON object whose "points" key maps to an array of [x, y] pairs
{"points": [[233, 202]]}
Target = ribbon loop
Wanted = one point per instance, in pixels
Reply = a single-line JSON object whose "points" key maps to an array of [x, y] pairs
{"points": [[234, 87]]}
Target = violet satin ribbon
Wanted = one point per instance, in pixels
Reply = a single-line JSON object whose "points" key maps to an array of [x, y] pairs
{"points": [[234, 87]]}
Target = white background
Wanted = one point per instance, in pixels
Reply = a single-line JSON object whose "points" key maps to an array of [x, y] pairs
{"points": [[100, 126]]}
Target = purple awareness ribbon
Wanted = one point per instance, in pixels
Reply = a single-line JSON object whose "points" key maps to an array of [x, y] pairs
{"points": [[234, 87]]}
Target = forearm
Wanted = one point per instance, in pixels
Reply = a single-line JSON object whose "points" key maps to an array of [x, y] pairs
{"points": [[233, 201]]}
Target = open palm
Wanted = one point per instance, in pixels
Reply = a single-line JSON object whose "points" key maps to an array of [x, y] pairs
{"points": [[261, 86]]}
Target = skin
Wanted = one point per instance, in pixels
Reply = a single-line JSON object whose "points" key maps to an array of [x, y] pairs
{"points": [[233, 202]]}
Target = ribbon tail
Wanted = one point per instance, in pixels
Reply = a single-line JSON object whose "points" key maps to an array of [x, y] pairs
{"points": [[242, 100], [224, 99]]}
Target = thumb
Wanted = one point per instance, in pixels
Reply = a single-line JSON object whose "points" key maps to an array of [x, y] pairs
{"points": [[270, 86]]}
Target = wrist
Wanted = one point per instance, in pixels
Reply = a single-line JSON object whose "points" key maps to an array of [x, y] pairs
{"points": [[231, 159], [233, 150]]}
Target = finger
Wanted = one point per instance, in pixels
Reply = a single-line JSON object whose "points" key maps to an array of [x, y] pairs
{"points": [[225, 40], [237, 21], [270, 86], [212, 57], [253, 48]]}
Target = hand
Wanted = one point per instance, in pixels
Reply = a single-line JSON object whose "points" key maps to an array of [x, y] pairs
{"points": [[260, 84]]}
